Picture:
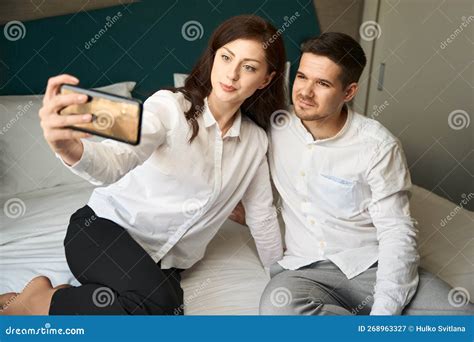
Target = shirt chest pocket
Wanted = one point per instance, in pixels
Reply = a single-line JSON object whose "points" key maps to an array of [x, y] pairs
{"points": [[339, 196]]}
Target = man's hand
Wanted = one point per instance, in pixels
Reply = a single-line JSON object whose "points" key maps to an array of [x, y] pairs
{"points": [[238, 214]]}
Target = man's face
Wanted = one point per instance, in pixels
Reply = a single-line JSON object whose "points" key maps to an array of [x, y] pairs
{"points": [[318, 93]]}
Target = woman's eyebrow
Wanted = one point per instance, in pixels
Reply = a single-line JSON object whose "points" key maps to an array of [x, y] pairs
{"points": [[245, 59]]}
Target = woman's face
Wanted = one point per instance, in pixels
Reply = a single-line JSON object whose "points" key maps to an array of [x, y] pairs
{"points": [[239, 69]]}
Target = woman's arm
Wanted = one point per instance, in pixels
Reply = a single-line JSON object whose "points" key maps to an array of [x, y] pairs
{"points": [[261, 216], [107, 161], [60, 138]]}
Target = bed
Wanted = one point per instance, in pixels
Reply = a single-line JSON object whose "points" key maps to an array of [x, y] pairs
{"points": [[38, 195]]}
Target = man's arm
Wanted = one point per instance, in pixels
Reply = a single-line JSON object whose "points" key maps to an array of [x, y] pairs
{"points": [[397, 274]]}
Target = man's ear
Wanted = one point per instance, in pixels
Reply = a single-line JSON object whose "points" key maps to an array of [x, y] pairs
{"points": [[351, 91], [268, 79]]}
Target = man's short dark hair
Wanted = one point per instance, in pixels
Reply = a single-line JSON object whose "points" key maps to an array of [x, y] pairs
{"points": [[343, 50]]}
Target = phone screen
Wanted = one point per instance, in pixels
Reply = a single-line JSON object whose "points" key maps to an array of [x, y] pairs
{"points": [[113, 116]]}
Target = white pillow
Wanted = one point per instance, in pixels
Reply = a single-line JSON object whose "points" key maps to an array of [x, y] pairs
{"points": [[26, 161], [179, 80], [122, 88]]}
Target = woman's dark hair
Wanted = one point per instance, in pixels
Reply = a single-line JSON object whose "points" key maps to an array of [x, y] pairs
{"points": [[263, 102], [343, 50]]}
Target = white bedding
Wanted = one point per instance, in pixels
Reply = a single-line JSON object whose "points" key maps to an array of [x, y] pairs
{"points": [[230, 279]]}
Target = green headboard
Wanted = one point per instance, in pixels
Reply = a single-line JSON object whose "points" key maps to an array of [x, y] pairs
{"points": [[144, 42]]}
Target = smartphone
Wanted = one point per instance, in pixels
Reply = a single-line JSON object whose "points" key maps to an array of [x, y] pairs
{"points": [[115, 117]]}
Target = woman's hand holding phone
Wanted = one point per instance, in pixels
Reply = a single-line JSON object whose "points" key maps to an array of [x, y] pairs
{"points": [[63, 140]]}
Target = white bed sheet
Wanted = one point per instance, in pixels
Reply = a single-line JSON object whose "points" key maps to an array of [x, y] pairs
{"points": [[230, 279], [32, 244]]}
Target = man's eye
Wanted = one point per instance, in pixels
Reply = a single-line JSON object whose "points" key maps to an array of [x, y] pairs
{"points": [[301, 76]]}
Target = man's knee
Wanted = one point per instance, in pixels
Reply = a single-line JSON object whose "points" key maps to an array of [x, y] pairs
{"points": [[289, 294], [277, 298]]}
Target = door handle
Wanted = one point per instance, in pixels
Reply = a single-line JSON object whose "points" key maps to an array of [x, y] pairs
{"points": [[381, 77]]}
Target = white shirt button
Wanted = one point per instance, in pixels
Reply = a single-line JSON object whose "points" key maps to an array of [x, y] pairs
{"points": [[305, 207]]}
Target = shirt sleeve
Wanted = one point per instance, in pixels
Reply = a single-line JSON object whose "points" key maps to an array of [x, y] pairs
{"points": [[397, 273], [261, 216], [107, 161]]}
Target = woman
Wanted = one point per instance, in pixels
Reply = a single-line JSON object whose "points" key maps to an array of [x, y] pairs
{"points": [[161, 202]]}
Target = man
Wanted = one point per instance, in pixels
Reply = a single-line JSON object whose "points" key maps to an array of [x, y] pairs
{"points": [[343, 183]]}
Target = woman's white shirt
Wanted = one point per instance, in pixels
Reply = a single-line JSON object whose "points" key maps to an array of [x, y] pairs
{"points": [[173, 196]]}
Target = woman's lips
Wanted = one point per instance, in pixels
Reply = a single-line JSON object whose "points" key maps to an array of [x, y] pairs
{"points": [[227, 88]]}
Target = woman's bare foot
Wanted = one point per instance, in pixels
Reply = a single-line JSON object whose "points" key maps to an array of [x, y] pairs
{"points": [[6, 299], [35, 299]]}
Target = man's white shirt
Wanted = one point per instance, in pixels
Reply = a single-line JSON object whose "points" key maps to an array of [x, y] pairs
{"points": [[345, 199]]}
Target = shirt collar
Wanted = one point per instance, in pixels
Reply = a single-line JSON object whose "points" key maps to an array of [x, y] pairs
{"points": [[346, 124], [209, 120]]}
